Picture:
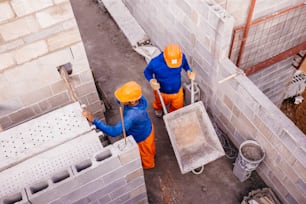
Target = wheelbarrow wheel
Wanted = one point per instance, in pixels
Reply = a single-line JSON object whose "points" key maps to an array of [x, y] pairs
{"points": [[198, 171]]}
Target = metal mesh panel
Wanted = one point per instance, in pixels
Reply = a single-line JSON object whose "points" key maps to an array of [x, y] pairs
{"points": [[270, 37]]}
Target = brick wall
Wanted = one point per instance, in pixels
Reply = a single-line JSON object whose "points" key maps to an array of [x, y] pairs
{"points": [[36, 36], [204, 30]]}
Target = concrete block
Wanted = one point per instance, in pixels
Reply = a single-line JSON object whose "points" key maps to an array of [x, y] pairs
{"points": [[30, 51], [58, 87], [121, 199], [78, 51], [11, 45], [55, 59], [42, 34], [99, 194], [301, 186], [94, 190], [37, 95], [58, 184], [86, 76], [185, 7], [25, 25], [60, 1], [60, 99], [24, 7], [106, 161], [69, 24], [22, 115], [5, 122], [127, 188], [16, 198], [125, 21], [134, 175], [139, 199], [54, 15], [63, 39], [6, 60], [85, 88], [104, 199], [92, 98], [6, 12], [290, 199]]}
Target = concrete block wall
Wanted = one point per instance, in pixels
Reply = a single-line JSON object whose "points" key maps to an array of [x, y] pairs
{"points": [[238, 106], [111, 176], [274, 81], [36, 36]]}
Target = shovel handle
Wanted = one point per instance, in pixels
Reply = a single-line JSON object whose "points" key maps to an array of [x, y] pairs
{"points": [[122, 121], [162, 102]]}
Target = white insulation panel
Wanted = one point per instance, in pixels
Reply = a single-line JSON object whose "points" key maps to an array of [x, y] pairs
{"points": [[32, 137]]}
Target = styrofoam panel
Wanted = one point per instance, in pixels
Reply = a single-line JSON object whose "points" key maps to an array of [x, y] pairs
{"points": [[40, 167], [34, 136]]}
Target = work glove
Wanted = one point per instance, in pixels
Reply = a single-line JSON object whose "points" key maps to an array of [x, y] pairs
{"points": [[88, 115], [191, 75], [154, 84]]}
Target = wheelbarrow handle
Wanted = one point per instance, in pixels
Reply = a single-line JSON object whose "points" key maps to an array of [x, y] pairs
{"points": [[162, 102], [192, 91]]}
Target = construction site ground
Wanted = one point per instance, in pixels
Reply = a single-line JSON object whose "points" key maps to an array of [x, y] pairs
{"points": [[296, 112], [114, 62]]}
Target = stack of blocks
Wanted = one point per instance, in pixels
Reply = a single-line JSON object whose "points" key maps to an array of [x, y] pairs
{"points": [[114, 175]]}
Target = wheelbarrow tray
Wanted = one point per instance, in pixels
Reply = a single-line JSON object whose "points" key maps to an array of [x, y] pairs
{"points": [[193, 138]]}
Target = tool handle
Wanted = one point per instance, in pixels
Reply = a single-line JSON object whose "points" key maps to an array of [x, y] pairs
{"points": [[122, 120], [162, 102], [192, 91], [228, 78]]}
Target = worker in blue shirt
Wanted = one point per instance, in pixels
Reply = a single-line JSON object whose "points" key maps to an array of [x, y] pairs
{"points": [[135, 119], [164, 74]]}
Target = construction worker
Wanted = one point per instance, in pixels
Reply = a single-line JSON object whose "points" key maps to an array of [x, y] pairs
{"points": [[164, 74], [136, 121]]}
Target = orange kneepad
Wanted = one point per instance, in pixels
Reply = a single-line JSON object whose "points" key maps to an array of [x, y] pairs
{"points": [[147, 151]]}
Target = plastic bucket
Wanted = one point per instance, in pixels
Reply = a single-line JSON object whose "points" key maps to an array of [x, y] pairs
{"points": [[250, 155]]}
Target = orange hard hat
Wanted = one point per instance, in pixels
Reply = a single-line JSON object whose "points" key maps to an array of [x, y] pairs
{"points": [[173, 55], [130, 91]]}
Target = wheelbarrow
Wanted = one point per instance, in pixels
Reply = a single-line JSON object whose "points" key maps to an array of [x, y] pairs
{"points": [[193, 138]]}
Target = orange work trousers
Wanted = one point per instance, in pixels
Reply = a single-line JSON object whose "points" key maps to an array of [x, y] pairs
{"points": [[147, 150], [176, 101]]}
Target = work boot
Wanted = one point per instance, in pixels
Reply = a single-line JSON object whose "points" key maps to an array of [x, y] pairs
{"points": [[158, 113]]}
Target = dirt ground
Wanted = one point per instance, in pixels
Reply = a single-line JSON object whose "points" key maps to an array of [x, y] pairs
{"points": [[296, 112], [113, 63]]}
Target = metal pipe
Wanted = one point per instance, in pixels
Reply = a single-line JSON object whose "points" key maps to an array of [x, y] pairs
{"points": [[246, 31], [275, 59]]}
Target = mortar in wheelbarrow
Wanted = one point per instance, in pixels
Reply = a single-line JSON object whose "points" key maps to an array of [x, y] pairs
{"points": [[193, 138]]}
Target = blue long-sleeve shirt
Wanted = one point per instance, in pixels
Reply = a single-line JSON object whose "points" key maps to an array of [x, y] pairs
{"points": [[168, 78], [136, 122]]}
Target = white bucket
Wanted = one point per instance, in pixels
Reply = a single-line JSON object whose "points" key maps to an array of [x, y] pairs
{"points": [[250, 155]]}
